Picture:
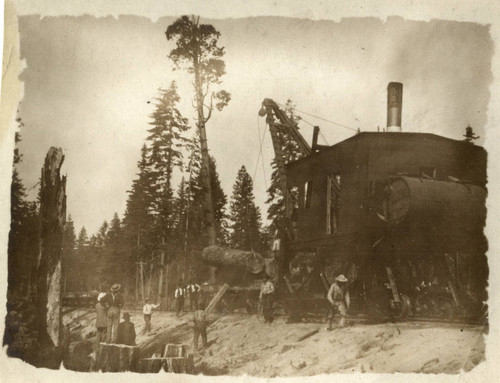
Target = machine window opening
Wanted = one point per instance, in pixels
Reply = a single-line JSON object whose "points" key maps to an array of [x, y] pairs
{"points": [[307, 194], [333, 203]]}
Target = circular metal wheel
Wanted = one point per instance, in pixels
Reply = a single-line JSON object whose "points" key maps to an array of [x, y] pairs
{"points": [[401, 311], [446, 307]]}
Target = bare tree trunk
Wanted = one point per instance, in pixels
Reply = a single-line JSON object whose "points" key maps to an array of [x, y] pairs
{"points": [[162, 261], [142, 279], [49, 273]]}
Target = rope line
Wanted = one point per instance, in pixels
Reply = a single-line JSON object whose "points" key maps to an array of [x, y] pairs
{"points": [[322, 119], [261, 142]]}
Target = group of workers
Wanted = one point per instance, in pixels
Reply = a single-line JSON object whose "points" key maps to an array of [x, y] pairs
{"points": [[109, 328], [338, 298], [109, 305], [108, 308]]}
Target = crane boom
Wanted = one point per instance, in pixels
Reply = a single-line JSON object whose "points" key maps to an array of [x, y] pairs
{"points": [[280, 124]]}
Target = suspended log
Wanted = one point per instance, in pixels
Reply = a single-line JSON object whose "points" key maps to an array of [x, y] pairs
{"points": [[220, 256], [49, 271], [117, 357]]}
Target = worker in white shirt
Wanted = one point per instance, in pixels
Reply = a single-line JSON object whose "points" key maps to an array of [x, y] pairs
{"points": [[147, 310], [266, 296], [179, 294]]}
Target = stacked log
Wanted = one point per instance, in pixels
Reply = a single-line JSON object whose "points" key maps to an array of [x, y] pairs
{"points": [[220, 256], [117, 357]]}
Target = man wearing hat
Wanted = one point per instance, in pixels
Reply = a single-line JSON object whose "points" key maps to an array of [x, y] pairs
{"points": [[338, 296], [266, 296], [114, 300], [125, 332], [101, 322]]}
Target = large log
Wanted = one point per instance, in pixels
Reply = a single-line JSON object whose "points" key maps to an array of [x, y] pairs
{"points": [[221, 256], [49, 271], [117, 357]]}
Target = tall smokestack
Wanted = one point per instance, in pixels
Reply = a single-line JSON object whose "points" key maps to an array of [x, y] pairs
{"points": [[394, 106]]}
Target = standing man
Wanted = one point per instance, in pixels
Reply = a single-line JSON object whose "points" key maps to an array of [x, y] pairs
{"points": [[200, 328], [339, 299], [266, 296], [114, 300], [179, 294], [147, 310], [101, 322], [125, 332]]}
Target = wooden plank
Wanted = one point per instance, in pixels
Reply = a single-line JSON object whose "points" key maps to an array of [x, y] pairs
{"points": [[217, 298], [307, 335]]}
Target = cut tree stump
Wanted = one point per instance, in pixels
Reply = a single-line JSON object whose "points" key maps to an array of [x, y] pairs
{"points": [[175, 350], [151, 365], [179, 365], [117, 357], [175, 359]]}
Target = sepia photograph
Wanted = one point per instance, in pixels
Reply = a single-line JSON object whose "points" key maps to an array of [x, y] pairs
{"points": [[203, 190]]}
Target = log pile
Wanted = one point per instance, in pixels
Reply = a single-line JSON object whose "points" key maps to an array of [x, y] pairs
{"points": [[220, 256], [117, 358]]}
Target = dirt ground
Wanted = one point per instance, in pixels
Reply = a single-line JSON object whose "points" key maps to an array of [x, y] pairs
{"points": [[241, 344]]}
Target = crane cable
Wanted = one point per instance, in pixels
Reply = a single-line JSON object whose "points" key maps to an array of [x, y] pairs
{"points": [[320, 133], [261, 154], [321, 118]]}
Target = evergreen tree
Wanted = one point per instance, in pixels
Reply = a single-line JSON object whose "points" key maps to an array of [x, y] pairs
{"points": [[291, 152], [69, 236], [82, 241], [167, 139], [197, 51], [69, 261], [245, 215], [138, 220], [24, 235], [101, 234], [195, 193]]}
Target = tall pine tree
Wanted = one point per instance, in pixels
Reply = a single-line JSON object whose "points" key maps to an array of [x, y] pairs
{"points": [[167, 139], [245, 215]]}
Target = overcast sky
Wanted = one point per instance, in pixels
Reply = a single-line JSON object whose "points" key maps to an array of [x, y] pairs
{"points": [[88, 82]]}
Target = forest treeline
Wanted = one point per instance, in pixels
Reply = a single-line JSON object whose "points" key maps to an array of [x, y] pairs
{"points": [[164, 227]]}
